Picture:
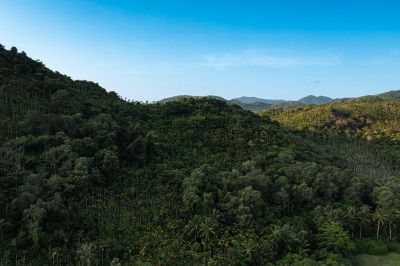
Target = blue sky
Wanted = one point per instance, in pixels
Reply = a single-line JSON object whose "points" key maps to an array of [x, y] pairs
{"points": [[149, 50]]}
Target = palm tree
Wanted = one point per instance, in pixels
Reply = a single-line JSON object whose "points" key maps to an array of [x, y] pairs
{"points": [[396, 219], [363, 217], [257, 253], [392, 224], [207, 229], [380, 218], [194, 226], [393, 219], [215, 217], [286, 236], [250, 249], [351, 219]]}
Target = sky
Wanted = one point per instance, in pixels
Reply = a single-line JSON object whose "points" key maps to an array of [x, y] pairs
{"points": [[150, 50]]}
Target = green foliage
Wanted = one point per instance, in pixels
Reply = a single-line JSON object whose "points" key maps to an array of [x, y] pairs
{"points": [[86, 253], [393, 246], [88, 178], [294, 259], [371, 247], [250, 252], [334, 238]]}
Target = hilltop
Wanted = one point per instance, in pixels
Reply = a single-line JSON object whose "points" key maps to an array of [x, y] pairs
{"points": [[311, 99], [245, 99], [259, 104]]}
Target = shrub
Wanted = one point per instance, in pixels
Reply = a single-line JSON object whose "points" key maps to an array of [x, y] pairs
{"points": [[372, 247], [393, 246]]}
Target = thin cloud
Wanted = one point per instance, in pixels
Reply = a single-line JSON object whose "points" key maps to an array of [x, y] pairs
{"points": [[266, 58], [312, 82]]}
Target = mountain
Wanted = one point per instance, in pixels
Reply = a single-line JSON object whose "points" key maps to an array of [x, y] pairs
{"points": [[311, 99], [250, 100], [258, 104], [178, 97], [88, 178], [254, 106], [287, 104]]}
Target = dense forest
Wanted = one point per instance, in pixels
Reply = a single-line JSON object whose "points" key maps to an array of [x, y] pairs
{"points": [[89, 178]]}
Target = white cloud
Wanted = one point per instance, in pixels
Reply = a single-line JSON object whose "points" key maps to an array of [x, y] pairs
{"points": [[267, 58]]}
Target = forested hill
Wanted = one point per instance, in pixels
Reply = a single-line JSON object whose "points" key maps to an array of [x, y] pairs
{"points": [[27, 86], [88, 178], [365, 134], [311, 99], [258, 104], [390, 95], [245, 99], [370, 125]]}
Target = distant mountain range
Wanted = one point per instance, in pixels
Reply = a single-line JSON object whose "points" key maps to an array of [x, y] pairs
{"points": [[259, 104], [245, 99]]}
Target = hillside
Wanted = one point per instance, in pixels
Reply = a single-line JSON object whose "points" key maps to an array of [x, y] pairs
{"points": [[390, 95], [88, 178], [311, 99], [178, 97], [258, 104], [253, 106], [364, 132], [245, 99]]}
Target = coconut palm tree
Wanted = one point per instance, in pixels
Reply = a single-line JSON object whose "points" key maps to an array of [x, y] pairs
{"points": [[194, 226], [208, 229], [391, 221], [257, 253], [379, 217], [351, 219], [363, 217]]}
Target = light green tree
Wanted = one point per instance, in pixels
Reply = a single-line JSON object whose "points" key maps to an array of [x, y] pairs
{"points": [[86, 253], [334, 238]]}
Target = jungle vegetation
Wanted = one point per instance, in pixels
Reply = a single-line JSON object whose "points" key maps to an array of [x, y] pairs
{"points": [[89, 178]]}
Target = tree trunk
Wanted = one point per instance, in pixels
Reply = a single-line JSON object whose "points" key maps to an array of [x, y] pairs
{"points": [[377, 230], [360, 231]]}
